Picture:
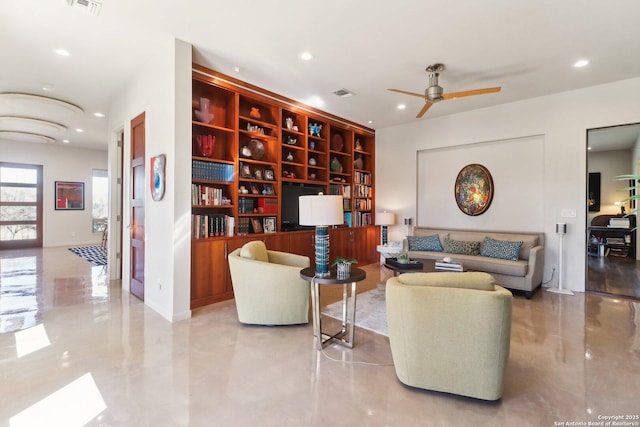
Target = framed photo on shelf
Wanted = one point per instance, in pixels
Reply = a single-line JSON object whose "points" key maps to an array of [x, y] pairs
{"points": [[268, 189], [254, 188], [269, 224], [69, 195], [257, 174], [268, 174], [256, 226], [245, 170]]}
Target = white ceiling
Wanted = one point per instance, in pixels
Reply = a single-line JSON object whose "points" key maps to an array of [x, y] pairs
{"points": [[527, 47]]}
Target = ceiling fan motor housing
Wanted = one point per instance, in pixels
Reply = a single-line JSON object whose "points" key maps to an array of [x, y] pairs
{"points": [[434, 93]]}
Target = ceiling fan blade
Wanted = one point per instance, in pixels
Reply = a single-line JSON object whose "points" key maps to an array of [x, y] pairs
{"points": [[426, 106], [470, 92], [420, 95]]}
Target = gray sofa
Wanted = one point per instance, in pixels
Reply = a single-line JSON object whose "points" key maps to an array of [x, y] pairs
{"points": [[523, 274]]}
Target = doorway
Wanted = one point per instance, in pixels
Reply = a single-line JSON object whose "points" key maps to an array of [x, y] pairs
{"points": [[612, 256], [20, 206]]}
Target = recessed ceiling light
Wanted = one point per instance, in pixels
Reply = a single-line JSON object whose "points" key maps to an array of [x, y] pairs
{"points": [[62, 52], [79, 130], [47, 87], [236, 69], [401, 107], [589, 148], [98, 114], [370, 122], [66, 141], [306, 56], [581, 63]]}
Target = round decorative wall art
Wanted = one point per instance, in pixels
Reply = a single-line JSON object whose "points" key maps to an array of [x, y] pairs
{"points": [[474, 189]]}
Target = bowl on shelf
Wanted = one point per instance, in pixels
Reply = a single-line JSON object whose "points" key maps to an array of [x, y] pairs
{"points": [[204, 117]]}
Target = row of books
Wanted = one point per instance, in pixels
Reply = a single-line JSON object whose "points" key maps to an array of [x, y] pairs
{"points": [[203, 195], [211, 171], [245, 205], [343, 190], [363, 204], [363, 218], [448, 266], [362, 178], [204, 226], [362, 191]]}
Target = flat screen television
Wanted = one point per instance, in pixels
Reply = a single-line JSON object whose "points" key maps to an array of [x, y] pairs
{"points": [[290, 208]]}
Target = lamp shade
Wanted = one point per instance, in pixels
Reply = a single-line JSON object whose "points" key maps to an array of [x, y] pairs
{"points": [[321, 210], [385, 218]]}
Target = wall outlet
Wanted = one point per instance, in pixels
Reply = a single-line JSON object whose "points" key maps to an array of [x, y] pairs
{"points": [[553, 268]]}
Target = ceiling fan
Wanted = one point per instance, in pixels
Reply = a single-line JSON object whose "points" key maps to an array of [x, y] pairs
{"points": [[434, 92]]}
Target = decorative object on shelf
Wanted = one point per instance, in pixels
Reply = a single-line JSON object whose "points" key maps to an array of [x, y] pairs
{"points": [[337, 143], [312, 145], [257, 173], [254, 188], [336, 166], [245, 170], [343, 266], [268, 174], [69, 195], [561, 229], [268, 189], [245, 151], [256, 226], [473, 189], [254, 113], [312, 161], [295, 128], [321, 211], [358, 144], [158, 164], [290, 156], [257, 149], [312, 176], [203, 115], [315, 129], [243, 190], [269, 224], [254, 129], [288, 123], [206, 144], [291, 140], [358, 163], [384, 219]]}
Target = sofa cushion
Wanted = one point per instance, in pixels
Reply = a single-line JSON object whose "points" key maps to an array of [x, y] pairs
{"points": [[502, 249], [255, 250], [470, 280], [424, 243], [461, 247]]}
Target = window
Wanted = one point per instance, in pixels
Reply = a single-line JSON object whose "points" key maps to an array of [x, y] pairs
{"points": [[100, 200], [20, 205]]}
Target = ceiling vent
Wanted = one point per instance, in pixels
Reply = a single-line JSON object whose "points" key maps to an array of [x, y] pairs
{"points": [[91, 7], [343, 93]]}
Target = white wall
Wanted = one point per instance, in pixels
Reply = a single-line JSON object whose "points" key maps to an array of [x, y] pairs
{"points": [[163, 91], [562, 119], [61, 163], [610, 164]]}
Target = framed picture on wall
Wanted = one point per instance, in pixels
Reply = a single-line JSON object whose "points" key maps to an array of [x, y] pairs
{"points": [[69, 195]]}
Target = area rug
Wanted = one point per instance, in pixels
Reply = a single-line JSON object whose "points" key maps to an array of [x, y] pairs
{"points": [[96, 255], [371, 311]]}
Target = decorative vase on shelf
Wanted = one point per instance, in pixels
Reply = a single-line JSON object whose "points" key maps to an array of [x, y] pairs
{"points": [[335, 165], [289, 157]]}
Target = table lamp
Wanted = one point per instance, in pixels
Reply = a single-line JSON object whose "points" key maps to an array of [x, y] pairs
{"points": [[321, 211], [384, 219]]}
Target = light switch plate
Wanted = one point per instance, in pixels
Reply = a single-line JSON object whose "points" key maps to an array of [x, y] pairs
{"points": [[568, 213]]}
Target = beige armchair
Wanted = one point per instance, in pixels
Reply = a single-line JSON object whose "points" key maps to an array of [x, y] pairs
{"points": [[450, 332], [267, 285]]}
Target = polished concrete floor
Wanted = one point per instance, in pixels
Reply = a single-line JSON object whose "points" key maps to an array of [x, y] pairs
{"points": [[76, 350], [614, 275]]}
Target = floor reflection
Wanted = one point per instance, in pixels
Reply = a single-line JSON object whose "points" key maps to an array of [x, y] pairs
{"points": [[30, 283]]}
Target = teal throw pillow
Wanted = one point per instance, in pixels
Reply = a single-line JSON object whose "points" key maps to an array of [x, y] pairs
{"points": [[503, 249], [461, 247], [425, 243]]}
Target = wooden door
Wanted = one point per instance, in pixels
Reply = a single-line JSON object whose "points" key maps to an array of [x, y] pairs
{"points": [[301, 243], [209, 271], [137, 206]]}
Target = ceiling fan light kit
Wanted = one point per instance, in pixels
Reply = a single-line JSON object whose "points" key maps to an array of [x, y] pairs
{"points": [[435, 93]]}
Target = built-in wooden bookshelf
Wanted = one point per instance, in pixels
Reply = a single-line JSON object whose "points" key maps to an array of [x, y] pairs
{"points": [[247, 145]]}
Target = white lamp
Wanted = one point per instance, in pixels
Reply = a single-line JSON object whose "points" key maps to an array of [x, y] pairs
{"points": [[561, 229], [321, 211], [384, 219]]}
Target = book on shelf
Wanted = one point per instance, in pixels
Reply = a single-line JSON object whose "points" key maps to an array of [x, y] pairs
{"points": [[212, 226], [212, 171]]}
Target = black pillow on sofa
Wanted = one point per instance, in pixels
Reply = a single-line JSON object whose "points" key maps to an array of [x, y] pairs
{"points": [[462, 247], [502, 249]]}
